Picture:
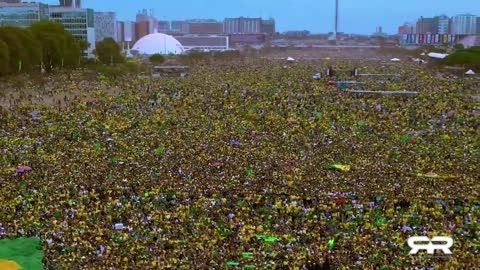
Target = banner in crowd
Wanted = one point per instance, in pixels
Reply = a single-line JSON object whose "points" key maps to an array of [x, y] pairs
{"points": [[430, 38]]}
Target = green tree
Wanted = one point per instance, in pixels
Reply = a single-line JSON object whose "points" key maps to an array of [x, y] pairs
{"points": [[32, 49], [18, 54], [157, 58], [4, 58], [84, 45], [73, 53], [108, 51], [59, 47], [193, 57]]}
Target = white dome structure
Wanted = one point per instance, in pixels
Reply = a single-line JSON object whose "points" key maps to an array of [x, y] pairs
{"points": [[158, 43]]}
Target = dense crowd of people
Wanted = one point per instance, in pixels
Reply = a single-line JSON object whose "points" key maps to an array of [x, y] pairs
{"points": [[243, 166]]}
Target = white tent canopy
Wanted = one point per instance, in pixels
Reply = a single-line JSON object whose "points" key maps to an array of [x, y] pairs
{"points": [[437, 55], [470, 72], [290, 59], [395, 60], [158, 43]]}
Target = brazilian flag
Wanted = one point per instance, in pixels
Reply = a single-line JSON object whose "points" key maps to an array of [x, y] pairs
{"points": [[21, 254], [339, 167]]}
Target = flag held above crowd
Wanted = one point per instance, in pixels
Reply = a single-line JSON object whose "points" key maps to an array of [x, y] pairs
{"points": [[21, 253]]}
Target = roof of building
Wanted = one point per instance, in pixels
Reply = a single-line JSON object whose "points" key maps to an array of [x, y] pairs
{"points": [[158, 43], [21, 4], [203, 40]]}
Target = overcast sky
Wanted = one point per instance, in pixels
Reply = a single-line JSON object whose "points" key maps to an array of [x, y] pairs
{"points": [[356, 16]]}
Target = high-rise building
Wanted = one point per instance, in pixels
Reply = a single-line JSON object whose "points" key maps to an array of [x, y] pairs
{"points": [[105, 25], [268, 27], [450, 25], [443, 24], [126, 34], [180, 27], [142, 29], [163, 26], [205, 27], [129, 32], [427, 26], [465, 24], [71, 3], [379, 32], [478, 25], [78, 21], [120, 31], [11, 1], [22, 14], [406, 28], [242, 25], [144, 16]]}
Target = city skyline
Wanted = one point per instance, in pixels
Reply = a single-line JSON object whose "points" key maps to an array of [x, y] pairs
{"points": [[360, 17]]}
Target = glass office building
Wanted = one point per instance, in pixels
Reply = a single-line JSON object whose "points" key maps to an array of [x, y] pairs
{"points": [[78, 21], [75, 20], [22, 14]]}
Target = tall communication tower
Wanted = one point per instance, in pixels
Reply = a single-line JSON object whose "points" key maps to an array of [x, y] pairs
{"points": [[336, 20]]}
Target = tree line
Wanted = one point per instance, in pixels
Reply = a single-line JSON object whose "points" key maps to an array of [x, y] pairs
{"points": [[43, 43], [47, 44]]}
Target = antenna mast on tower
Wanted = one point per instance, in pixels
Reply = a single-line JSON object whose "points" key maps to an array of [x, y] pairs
{"points": [[336, 20]]}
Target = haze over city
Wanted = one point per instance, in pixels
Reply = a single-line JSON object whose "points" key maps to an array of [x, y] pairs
{"points": [[355, 16]]}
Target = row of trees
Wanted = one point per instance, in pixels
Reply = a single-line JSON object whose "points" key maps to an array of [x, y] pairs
{"points": [[45, 42], [108, 52]]}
